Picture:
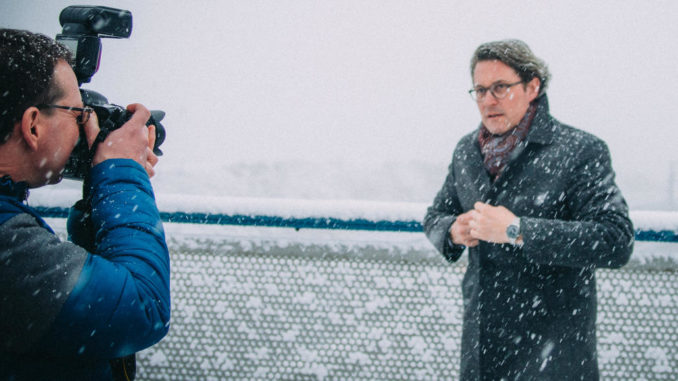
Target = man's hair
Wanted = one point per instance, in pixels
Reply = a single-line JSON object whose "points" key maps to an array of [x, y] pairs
{"points": [[517, 55], [27, 62]]}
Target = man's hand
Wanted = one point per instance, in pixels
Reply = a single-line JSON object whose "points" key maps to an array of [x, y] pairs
{"points": [[460, 232], [133, 140], [489, 223], [151, 158]]}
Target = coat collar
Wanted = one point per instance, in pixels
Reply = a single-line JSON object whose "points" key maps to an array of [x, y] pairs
{"points": [[8, 187], [541, 131], [542, 128]]}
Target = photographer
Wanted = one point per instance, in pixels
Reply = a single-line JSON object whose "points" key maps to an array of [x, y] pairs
{"points": [[68, 310]]}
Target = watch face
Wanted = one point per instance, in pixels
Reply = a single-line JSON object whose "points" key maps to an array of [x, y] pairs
{"points": [[512, 231]]}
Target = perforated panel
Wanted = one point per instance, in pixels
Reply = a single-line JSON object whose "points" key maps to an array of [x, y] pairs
{"points": [[638, 324], [285, 310]]}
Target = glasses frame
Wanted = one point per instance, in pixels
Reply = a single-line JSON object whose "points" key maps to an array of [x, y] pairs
{"points": [[81, 119], [492, 90]]}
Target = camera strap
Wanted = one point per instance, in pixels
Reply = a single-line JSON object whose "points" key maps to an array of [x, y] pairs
{"points": [[101, 136], [124, 368]]}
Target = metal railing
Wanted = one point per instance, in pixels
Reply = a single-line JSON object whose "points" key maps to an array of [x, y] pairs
{"points": [[352, 290], [410, 226]]}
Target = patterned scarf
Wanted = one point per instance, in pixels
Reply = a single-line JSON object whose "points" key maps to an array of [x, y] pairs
{"points": [[496, 149]]}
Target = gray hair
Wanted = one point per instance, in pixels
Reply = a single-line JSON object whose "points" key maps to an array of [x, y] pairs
{"points": [[517, 55]]}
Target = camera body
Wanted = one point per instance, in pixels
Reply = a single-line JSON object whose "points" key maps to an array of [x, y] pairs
{"points": [[83, 28]]}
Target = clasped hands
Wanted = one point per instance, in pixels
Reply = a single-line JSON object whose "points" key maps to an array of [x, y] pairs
{"points": [[484, 223]]}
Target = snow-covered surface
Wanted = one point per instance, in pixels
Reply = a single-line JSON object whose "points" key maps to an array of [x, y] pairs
{"points": [[284, 207], [297, 208], [655, 220], [300, 208], [414, 246]]}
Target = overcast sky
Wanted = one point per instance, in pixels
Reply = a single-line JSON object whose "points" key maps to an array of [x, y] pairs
{"points": [[380, 81]]}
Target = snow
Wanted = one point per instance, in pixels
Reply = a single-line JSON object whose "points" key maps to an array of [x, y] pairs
{"points": [[655, 220], [646, 254], [301, 208], [288, 208], [341, 116], [283, 207]]}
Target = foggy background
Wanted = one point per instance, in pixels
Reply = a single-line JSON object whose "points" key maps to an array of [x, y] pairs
{"points": [[366, 99]]}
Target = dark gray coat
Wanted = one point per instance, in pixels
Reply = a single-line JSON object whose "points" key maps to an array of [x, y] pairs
{"points": [[530, 312]]}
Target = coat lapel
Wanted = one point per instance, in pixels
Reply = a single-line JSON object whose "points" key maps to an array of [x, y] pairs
{"points": [[478, 183], [479, 176], [541, 132]]}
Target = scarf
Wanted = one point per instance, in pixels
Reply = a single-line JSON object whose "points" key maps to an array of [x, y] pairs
{"points": [[497, 149]]}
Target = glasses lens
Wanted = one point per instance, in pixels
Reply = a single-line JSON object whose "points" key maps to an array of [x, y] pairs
{"points": [[500, 90], [478, 93]]}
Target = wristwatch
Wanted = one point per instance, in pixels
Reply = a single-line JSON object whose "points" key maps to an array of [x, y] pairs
{"points": [[513, 230]]}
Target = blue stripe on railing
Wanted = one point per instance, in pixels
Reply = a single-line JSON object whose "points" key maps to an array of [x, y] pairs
{"points": [[656, 236], [292, 222], [319, 223]]}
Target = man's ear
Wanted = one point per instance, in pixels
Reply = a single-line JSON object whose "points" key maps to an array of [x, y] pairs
{"points": [[30, 127], [533, 88]]}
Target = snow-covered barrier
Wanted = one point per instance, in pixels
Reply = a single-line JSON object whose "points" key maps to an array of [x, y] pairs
{"points": [[313, 302], [317, 214]]}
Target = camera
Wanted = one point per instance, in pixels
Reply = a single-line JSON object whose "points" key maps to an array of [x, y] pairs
{"points": [[83, 28]]}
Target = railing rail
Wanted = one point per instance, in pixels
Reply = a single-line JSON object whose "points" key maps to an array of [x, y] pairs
{"points": [[329, 222]]}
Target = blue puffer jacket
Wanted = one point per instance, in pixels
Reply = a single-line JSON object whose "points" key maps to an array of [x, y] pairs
{"points": [[66, 311]]}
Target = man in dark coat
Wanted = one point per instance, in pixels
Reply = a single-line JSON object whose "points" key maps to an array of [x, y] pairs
{"points": [[73, 310], [536, 204]]}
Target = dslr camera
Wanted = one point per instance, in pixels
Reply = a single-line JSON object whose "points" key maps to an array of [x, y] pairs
{"points": [[83, 28]]}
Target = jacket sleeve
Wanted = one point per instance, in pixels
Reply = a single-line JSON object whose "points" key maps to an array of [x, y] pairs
{"points": [[441, 215], [121, 301], [599, 233]]}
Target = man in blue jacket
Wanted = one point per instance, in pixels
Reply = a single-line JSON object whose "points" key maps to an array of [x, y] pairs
{"points": [[69, 309]]}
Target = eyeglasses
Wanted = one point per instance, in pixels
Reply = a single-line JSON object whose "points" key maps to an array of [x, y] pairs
{"points": [[81, 119], [498, 90]]}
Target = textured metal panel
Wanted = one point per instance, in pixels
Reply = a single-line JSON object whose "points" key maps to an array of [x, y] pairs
{"points": [[284, 305]]}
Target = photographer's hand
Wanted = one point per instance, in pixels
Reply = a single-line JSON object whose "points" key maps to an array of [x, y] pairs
{"points": [[133, 140], [151, 159]]}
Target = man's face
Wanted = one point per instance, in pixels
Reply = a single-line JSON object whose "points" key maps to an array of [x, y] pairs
{"points": [[61, 130], [500, 115]]}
